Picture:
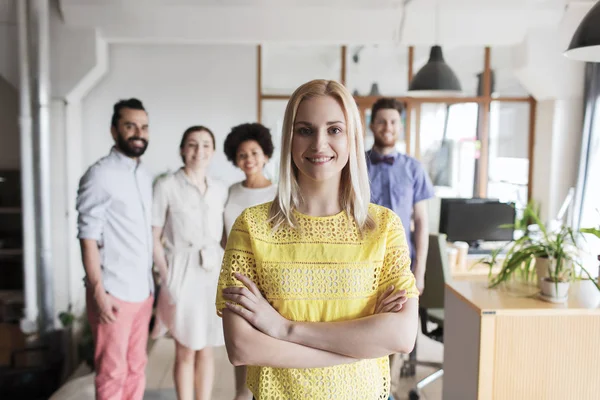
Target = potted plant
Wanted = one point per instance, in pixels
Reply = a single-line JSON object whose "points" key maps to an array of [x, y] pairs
{"points": [[555, 285], [85, 340], [528, 255], [548, 256]]}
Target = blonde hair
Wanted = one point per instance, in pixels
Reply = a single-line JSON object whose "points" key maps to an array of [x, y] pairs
{"points": [[355, 193]]}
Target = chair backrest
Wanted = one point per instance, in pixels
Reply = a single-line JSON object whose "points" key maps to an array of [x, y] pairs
{"points": [[437, 272]]}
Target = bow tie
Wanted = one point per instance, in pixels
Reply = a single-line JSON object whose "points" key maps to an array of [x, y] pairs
{"points": [[386, 159]]}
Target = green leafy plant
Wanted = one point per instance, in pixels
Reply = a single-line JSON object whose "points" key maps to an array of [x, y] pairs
{"points": [[591, 231], [559, 246], [67, 318]]}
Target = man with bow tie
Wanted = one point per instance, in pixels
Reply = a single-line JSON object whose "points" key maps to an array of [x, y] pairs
{"points": [[400, 183]]}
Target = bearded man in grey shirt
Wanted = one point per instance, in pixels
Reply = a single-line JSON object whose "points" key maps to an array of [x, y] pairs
{"points": [[114, 203]]}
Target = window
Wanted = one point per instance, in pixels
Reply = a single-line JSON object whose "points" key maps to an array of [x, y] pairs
{"points": [[508, 172], [447, 145]]}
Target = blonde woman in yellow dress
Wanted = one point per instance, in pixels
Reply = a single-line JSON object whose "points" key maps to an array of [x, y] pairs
{"points": [[315, 289]]}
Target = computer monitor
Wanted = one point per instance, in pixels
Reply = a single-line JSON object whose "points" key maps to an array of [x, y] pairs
{"points": [[476, 220]]}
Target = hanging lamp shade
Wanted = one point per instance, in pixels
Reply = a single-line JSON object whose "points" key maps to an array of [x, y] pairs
{"points": [[374, 90], [585, 44], [436, 78]]}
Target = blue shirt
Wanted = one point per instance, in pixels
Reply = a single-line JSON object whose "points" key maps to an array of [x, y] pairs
{"points": [[398, 184], [114, 204]]}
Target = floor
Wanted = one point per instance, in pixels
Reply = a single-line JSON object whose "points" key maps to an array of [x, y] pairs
{"points": [[160, 377]]}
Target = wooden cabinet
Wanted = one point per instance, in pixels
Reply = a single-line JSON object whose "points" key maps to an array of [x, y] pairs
{"points": [[507, 344]]}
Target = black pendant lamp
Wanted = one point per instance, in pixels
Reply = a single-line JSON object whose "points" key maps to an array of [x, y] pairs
{"points": [[585, 44], [436, 78]]}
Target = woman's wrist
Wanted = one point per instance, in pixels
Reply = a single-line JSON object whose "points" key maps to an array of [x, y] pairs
{"points": [[285, 333]]}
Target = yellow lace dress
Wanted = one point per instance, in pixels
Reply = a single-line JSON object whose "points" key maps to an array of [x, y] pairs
{"points": [[321, 271]]}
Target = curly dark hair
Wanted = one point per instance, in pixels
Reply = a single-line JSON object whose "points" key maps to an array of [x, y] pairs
{"points": [[386, 103], [245, 132]]}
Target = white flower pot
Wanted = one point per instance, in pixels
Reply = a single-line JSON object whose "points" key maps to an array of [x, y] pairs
{"points": [[541, 268], [589, 294], [554, 290]]}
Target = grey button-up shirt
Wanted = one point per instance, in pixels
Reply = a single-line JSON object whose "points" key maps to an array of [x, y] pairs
{"points": [[114, 202]]}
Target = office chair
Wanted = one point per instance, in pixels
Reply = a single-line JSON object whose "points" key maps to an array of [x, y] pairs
{"points": [[431, 306]]}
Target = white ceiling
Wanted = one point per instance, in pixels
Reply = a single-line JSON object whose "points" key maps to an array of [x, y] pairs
{"points": [[461, 22], [245, 3], [305, 3], [282, 24]]}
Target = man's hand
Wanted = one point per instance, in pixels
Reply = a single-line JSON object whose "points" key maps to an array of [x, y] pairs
{"points": [[106, 306], [390, 301], [419, 273], [163, 275]]}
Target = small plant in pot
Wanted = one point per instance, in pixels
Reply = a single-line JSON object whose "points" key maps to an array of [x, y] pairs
{"points": [[528, 256], [541, 254], [555, 286]]}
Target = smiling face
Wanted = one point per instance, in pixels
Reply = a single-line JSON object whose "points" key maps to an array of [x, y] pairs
{"points": [[250, 158], [131, 132], [198, 150], [386, 127], [320, 149]]}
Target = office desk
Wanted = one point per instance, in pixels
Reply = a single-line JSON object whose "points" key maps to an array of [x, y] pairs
{"points": [[507, 344], [474, 269]]}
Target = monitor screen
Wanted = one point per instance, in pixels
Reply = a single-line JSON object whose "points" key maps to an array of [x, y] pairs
{"points": [[473, 220]]}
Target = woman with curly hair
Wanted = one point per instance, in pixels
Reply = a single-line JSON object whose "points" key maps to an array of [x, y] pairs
{"points": [[248, 147]]}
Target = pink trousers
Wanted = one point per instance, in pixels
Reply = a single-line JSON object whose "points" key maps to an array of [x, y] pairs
{"points": [[120, 350]]}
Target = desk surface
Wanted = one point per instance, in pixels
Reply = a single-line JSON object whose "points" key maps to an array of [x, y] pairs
{"points": [[475, 270], [520, 298]]}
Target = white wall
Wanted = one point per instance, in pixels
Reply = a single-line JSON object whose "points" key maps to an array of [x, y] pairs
{"points": [[10, 156], [557, 84], [73, 55], [556, 152], [286, 66], [568, 125], [180, 86], [542, 153], [539, 61]]}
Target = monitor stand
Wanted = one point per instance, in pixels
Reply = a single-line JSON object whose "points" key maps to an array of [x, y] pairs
{"points": [[475, 244], [475, 248]]}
